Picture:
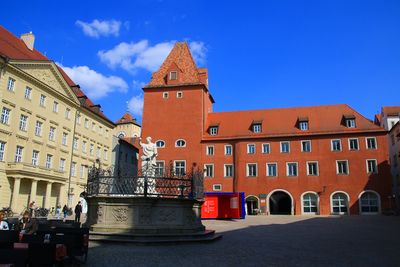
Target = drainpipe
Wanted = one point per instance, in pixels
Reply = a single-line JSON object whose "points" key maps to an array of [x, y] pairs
{"points": [[70, 161]]}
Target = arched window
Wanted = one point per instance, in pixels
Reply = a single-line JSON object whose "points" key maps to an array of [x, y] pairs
{"points": [[310, 203], [160, 143], [340, 203], [180, 143], [369, 203], [121, 135]]}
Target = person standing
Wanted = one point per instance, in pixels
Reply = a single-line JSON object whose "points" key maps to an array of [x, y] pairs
{"points": [[3, 223], [32, 207], [65, 211], [58, 211], [78, 211]]}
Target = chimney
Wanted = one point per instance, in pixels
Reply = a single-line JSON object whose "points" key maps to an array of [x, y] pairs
{"points": [[29, 39]]}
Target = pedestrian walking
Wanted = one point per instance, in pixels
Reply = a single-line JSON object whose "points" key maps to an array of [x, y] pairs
{"points": [[65, 211], [58, 211], [78, 211]]}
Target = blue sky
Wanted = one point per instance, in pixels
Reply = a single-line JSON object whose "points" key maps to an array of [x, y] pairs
{"points": [[260, 54]]}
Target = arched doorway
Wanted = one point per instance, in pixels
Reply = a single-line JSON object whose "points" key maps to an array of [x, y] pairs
{"points": [[340, 203], [252, 205], [280, 203]]}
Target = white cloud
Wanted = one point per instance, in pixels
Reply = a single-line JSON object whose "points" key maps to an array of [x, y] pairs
{"points": [[98, 28], [140, 55], [94, 84], [135, 105]]}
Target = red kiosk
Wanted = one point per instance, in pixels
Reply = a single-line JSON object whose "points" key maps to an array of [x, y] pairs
{"points": [[223, 205]]}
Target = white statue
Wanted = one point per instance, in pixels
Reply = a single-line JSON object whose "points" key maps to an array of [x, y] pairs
{"points": [[149, 152]]}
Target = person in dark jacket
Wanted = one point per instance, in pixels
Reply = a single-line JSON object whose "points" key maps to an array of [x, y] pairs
{"points": [[28, 225], [78, 211], [65, 211]]}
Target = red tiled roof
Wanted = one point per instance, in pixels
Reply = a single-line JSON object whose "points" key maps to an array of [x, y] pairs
{"points": [[127, 117], [283, 122], [179, 59], [391, 110], [14, 48]]}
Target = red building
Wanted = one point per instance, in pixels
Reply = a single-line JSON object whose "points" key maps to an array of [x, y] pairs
{"points": [[304, 160]]}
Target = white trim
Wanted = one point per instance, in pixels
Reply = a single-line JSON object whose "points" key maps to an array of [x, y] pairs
{"points": [[262, 148], [308, 170], [287, 169], [248, 150], [379, 202], [258, 202], [266, 169], [301, 144], [376, 165], [163, 162], [285, 191], [205, 170], [348, 203], [280, 146], [233, 170], [217, 189], [337, 167], [176, 75], [160, 140], [366, 143], [247, 169], [179, 93], [341, 147], [165, 95], [225, 150], [176, 142], [358, 144], [302, 204], [177, 161], [213, 150]]}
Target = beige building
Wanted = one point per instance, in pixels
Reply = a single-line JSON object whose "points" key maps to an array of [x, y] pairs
{"points": [[50, 132]]}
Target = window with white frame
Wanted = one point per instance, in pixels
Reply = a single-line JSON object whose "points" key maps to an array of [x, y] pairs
{"points": [[75, 143], [180, 167], [160, 143], [306, 146], [285, 147], [272, 169], [42, 100], [35, 158], [228, 150], [173, 75], [67, 113], [159, 169], [256, 128], [91, 149], [312, 168], [179, 94], [209, 170], [251, 148], [84, 147], [52, 132], [73, 169], [28, 93], [342, 167], [251, 169], [64, 138], [49, 161], [55, 106], [62, 165], [5, 115], [213, 130], [310, 203], [336, 145], [38, 128], [372, 166], [180, 143], [165, 94], [291, 169], [98, 152], [23, 120], [86, 123], [369, 203], [371, 142], [19, 153], [210, 150], [217, 187], [340, 203], [78, 119], [105, 154], [351, 123], [82, 171], [303, 125], [353, 144], [266, 148], [2, 150], [228, 170], [11, 84]]}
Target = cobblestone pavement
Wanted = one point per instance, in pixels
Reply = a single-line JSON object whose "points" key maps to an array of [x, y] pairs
{"points": [[272, 241]]}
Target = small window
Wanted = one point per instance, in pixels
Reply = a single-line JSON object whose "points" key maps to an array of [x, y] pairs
{"points": [[228, 150], [11, 84], [371, 143], [159, 169], [179, 94], [306, 146], [217, 187], [55, 107], [180, 143], [266, 148], [5, 115], [173, 75], [210, 150], [2, 150], [49, 161], [336, 145], [213, 130], [353, 144], [251, 170], [291, 169], [372, 166], [256, 128], [28, 93], [209, 170], [272, 169], [351, 123], [285, 147], [180, 168], [42, 100], [303, 125], [160, 143], [342, 167], [228, 170], [23, 120], [165, 95], [251, 149], [312, 168]]}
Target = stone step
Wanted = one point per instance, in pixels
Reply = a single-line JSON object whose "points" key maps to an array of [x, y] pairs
{"points": [[206, 236]]}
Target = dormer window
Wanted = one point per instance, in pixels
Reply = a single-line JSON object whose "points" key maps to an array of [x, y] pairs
{"points": [[256, 126], [350, 121], [173, 75], [302, 123], [213, 130]]}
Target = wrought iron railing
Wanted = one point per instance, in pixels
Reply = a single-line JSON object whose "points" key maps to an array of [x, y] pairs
{"points": [[160, 184]]}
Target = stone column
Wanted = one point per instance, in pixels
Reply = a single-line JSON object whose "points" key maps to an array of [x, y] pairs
{"points": [[32, 196], [62, 200], [15, 194], [48, 195]]}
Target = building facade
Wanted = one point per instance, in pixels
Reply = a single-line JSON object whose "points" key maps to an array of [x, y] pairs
{"points": [[50, 131], [306, 160]]}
